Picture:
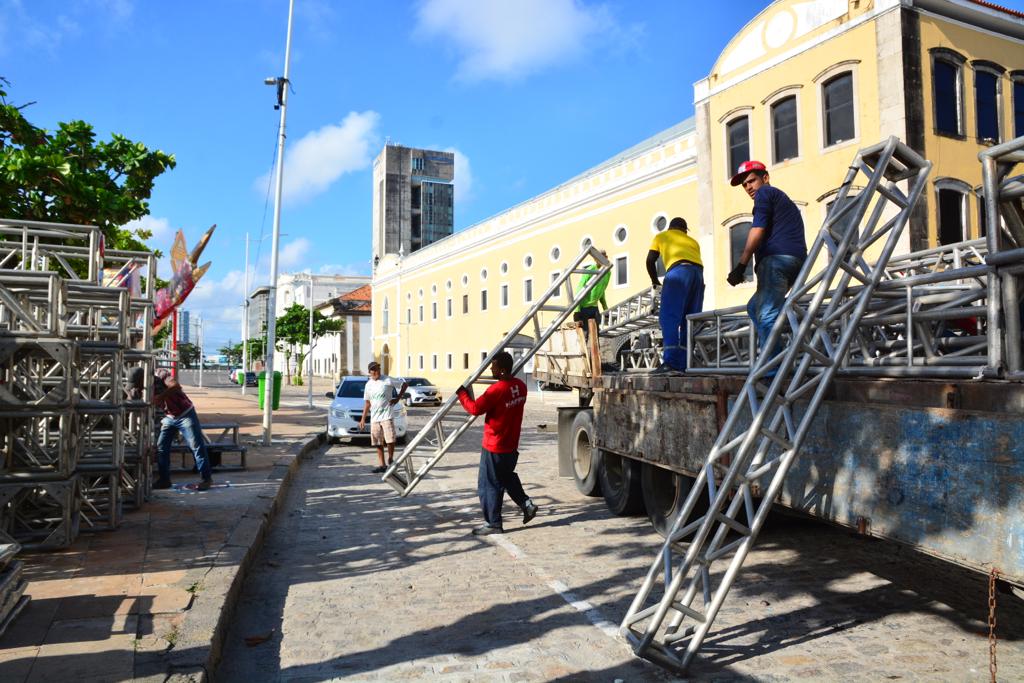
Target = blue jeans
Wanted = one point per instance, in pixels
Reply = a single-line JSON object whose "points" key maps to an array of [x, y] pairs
{"points": [[682, 293], [775, 275], [192, 432], [496, 476]]}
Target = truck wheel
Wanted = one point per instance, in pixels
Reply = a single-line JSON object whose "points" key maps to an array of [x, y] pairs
{"points": [[586, 459], [664, 495], [620, 484]]}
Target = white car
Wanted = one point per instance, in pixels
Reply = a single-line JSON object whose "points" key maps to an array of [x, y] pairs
{"points": [[420, 392], [347, 407]]}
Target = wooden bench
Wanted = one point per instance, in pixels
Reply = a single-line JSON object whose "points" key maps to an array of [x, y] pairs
{"points": [[221, 438]]}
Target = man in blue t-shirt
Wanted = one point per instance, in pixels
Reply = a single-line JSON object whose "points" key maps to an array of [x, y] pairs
{"points": [[776, 241]]}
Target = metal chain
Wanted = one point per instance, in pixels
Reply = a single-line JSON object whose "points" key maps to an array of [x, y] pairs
{"points": [[992, 623]]}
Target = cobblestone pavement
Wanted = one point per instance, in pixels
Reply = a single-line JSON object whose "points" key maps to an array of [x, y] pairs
{"points": [[357, 583]]}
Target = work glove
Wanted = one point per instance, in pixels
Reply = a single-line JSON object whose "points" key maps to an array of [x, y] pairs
{"points": [[737, 275]]}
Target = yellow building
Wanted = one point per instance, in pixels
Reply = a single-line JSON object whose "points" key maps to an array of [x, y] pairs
{"points": [[801, 87]]}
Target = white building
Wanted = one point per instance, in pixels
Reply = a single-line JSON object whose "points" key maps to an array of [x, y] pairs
{"points": [[294, 288], [347, 352]]}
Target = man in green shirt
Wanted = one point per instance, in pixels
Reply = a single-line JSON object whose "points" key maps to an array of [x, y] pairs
{"points": [[588, 307]]}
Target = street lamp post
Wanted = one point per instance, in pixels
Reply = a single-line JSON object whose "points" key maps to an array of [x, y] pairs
{"points": [[282, 103], [245, 310], [309, 354], [199, 338]]}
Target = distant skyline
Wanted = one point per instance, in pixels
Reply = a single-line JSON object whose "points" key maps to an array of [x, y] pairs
{"points": [[527, 94]]}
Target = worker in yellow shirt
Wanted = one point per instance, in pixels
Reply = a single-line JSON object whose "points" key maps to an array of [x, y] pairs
{"points": [[682, 293]]}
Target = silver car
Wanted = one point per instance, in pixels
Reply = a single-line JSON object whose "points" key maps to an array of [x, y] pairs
{"points": [[421, 393], [347, 407]]}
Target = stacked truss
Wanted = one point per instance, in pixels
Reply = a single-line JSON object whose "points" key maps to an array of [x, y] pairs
{"points": [[75, 437]]}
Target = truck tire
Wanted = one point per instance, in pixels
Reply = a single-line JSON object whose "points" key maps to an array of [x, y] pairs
{"points": [[664, 495], [620, 484], [586, 458]]}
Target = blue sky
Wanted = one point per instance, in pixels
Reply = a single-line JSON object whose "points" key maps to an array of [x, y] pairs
{"points": [[528, 93]]}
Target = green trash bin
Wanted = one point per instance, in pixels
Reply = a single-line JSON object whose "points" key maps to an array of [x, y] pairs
{"points": [[277, 389]]}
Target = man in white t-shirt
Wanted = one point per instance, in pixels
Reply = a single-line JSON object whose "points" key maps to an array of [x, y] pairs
{"points": [[378, 403]]}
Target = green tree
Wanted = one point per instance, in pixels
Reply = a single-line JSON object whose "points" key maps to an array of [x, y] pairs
{"points": [[257, 349], [188, 354], [293, 334], [233, 352], [67, 176]]}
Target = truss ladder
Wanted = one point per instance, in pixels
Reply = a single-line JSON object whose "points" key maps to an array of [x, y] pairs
{"points": [[443, 429], [764, 433]]}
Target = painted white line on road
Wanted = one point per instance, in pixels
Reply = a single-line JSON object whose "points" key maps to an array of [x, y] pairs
{"points": [[592, 614]]}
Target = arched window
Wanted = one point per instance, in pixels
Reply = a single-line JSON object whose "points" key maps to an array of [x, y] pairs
{"points": [[737, 135], [738, 231], [951, 209], [1017, 78], [785, 141], [837, 105], [947, 91], [987, 96], [384, 317]]}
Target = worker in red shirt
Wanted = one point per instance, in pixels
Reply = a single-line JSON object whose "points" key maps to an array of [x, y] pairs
{"points": [[503, 404]]}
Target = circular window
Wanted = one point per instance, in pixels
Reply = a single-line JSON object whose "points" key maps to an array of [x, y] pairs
{"points": [[421, 293], [408, 296], [621, 233], [660, 222], [433, 289], [555, 253], [528, 261], [448, 285], [483, 274], [465, 279], [586, 243], [504, 267]]}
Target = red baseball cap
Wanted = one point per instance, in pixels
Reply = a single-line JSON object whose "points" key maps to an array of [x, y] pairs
{"points": [[745, 168]]}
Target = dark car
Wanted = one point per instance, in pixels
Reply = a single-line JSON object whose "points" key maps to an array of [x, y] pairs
{"points": [[250, 380]]}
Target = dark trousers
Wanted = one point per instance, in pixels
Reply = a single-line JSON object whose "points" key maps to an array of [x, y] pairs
{"points": [[586, 313], [682, 293], [498, 475]]}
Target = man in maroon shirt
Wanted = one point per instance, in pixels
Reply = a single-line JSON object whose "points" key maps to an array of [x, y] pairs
{"points": [[503, 404], [181, 417]]}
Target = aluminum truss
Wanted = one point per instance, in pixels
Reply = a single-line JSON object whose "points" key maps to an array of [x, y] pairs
{"points": [[36, 373], [443, 429], [763, 433], [74, 437], [638, 312], [40, 514], [928, 318], [32, 304], [37, 446], [1004, 233]]}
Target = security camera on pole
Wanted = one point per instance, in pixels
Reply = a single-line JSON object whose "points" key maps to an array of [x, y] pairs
{"points": [[282, 103]]}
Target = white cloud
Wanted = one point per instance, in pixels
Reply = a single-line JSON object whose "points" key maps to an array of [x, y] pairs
{"points": [[502, 40], [322, 156], [463, 177], [293, 253], [344, 269], [28, 26], [160, 227]]}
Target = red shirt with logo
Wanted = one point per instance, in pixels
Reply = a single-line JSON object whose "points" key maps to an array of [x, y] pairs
{"points": [[503, 404]]}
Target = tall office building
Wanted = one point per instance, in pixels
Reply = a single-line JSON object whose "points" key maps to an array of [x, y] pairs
{"points": [[184, 327], [413, 199]]}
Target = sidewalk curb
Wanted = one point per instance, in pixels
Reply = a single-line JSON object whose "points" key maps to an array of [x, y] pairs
{"points": [[200, 643]]}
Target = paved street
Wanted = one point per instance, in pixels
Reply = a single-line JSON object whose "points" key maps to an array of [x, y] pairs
{"points": [[357, 583]]}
